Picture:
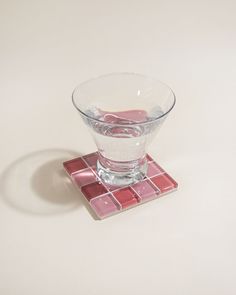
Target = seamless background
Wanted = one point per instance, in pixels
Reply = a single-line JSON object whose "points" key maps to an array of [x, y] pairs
{"points": [[181, 244]]}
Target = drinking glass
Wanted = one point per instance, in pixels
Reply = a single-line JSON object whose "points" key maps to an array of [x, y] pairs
{"points": [[123, 112]]}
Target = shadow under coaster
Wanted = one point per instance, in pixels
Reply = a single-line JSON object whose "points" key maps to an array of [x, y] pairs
{"points": [[106, 200]]}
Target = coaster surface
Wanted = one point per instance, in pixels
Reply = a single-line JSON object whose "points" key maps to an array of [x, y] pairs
{"points": [[106, 200]]}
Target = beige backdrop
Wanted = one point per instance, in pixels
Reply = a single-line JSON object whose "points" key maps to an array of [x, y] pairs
{"points": [[181, 244]]}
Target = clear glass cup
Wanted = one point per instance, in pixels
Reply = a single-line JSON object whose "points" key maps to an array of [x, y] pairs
{"points": [[123, 112]]}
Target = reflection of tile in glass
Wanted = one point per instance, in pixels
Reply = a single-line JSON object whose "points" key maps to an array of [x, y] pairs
{"points": [[126, 197], [84, 177], [91, 159], [74, 165], [164, 182], [145, 189], [104, 205], [154, 169], [93, 190]]}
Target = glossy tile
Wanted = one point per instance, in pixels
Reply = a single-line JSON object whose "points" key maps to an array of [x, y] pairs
{"points": [[84, 177], [104, 206], [74, 165], [93, 190], [91, 159], [145, 189], [126, 197]]}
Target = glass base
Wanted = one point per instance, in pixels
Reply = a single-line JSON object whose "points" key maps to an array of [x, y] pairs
{"points": [[121, 178]]}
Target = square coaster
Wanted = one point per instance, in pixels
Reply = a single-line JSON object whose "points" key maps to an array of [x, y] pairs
{"points": [[91, 159], [107, 200], [84, 177]]}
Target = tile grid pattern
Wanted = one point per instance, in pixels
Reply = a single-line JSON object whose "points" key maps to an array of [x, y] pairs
{"points": [[106, 200]]}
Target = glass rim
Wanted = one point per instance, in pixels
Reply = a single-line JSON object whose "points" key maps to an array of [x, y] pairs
{"points": [[122, 124]]}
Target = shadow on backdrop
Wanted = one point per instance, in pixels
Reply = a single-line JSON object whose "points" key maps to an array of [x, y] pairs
{"points": [[37, 184]]}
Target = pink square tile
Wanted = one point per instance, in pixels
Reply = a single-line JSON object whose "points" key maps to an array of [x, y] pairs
{"points": [[154, 169], [84, 177], [91, 159], [145, 189], [104, 205], [93, 190], [126, 197], [164, 182], [74, 165]]}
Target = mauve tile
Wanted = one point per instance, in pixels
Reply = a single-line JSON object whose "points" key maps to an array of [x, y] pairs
{"points": [[154, 169], [91, 159], [93, 190], [104, 205], [84, 177], [126, 197], [164, 182], [74, 165]]}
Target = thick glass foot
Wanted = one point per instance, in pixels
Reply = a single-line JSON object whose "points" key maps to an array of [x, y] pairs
{"points": [[121, 177]]}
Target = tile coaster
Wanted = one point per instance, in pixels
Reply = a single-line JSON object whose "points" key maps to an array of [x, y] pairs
{"points": [[106, 200]]}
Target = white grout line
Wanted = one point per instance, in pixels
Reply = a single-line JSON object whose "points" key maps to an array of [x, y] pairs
{"points": [[155, 186], [85, 162], [115, 199], [137, 194]]}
